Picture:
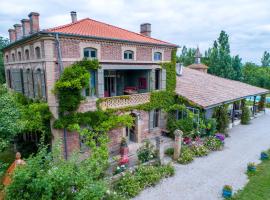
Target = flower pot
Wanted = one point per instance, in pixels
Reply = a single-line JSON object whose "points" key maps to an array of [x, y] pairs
{"points": [[251, 168], [264, 156], [226, 193]]}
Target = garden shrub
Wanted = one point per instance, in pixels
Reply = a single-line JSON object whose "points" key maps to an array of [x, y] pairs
{"points": [[199, 150], [221, 115], [187, 155], [132, 183], [212, 143], [169, 151], [210, 126], [146, 152], [245, 117]]}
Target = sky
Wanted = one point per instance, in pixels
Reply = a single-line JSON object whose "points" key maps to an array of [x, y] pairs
{"points": [[183, 22]]}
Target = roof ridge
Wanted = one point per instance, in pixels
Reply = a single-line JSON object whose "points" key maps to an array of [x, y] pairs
{"points": [[104, 23]]}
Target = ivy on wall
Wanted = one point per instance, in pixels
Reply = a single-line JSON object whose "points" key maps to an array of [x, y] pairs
{"points": [[170, 72]]}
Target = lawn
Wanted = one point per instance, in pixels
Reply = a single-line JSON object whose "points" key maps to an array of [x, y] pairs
{"points": [[258, 187]]}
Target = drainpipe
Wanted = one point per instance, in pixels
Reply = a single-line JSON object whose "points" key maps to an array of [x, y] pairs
{"points": [[60, 64]]}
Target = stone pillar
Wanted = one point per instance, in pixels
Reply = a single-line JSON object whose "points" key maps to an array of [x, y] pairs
{"points": [[139, 129], [160, 150], [177, 143]]}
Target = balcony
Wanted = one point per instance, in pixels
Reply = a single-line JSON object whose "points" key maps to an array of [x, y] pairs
{"points": [[124, 101]]}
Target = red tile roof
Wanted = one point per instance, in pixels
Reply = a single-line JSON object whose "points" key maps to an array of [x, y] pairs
{"points": [[207, 90], [92, 28]]}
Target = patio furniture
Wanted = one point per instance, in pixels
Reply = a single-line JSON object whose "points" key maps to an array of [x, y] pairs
{"points": [[129, 90]]}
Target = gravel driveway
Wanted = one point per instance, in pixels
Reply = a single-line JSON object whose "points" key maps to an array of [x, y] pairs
{"points": [[204, 178]]}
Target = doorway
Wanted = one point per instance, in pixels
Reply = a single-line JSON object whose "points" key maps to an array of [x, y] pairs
{"points": [[110, 84], [131, 133]]}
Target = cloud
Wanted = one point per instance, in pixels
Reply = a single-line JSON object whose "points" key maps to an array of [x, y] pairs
{"points": [[184, 22]]}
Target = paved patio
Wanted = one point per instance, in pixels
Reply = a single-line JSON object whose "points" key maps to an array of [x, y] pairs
{"points": [[204, 178]]}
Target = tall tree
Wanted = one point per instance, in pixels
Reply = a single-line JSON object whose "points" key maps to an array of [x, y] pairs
{"points": [[266, 59], [187, 56], [237, 67], [3, 42]]}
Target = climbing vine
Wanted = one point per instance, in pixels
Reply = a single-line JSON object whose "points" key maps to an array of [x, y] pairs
{"points": [[170, 72], [221, 115]]}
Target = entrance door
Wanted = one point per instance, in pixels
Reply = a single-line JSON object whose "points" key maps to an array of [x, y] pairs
{"points": [[130, 134], [110, 84]]}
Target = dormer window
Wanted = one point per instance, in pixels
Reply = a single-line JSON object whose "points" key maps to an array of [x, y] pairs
{"points": [[90, 53], [27, 55], [37, 52], [19, 56], [13, 57], [157, 56], [128, 55]]}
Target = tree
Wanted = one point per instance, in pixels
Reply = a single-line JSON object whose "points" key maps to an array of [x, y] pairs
{"points": [[3, 42], [187, 56], [237, 67], [265, 59]]}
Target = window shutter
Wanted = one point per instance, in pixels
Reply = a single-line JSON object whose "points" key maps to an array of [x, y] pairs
{"points": [[151, 119], [7, 77], [31, 84], [35, 81], [43, 84], [163, 79], [17, 82], [100, 83], [162, 119], [25, 83], [152, 79]]}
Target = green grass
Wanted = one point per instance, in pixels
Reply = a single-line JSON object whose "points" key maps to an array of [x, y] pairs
{"points": [[258, 187]]}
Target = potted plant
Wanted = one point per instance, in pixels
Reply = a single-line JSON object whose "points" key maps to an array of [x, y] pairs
{"points": [[264, 155], [227, 191], [251, 167]]}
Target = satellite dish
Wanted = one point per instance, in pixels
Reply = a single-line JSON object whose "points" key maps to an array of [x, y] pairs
{"points": [[179, 69]]}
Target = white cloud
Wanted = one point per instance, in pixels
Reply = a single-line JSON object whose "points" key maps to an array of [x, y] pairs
{"points": [[184, 22]]}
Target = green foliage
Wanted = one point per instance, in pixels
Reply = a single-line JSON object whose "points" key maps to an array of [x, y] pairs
{"points": [[47, 176], [72, 81], [146, 152], [170, 73], [169, 151], [210, 126], [213, 144], [261, 105], [266, 59], [187, 155], [245, 117], [131, 184], [3, 42], [187, 56], [199, 150], [220, 114]]}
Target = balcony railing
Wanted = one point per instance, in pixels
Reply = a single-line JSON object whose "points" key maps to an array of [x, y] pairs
{"points": [[124, 101]]}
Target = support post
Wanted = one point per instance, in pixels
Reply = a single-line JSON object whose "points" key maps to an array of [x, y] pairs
{"points": [[177, 144], [233, 112], [160, 150], [254, 101]]}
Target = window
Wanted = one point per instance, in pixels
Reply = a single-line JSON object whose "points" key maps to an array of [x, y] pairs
{"points": [[128, 55], [90, 53], [27, 55], [157, 79], [156, 118], [91, 90], [13, 57], [37, 53], [157, 56], [9, 78], [6, 58], [19, 56]]}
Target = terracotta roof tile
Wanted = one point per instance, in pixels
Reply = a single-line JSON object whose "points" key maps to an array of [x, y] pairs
{"points": [[208, 90], [90, 27]]}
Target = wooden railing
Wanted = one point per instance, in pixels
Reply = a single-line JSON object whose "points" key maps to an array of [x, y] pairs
{"points": [[124, 101]]}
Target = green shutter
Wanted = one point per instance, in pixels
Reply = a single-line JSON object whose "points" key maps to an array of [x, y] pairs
{"points": [[25, 83], [31, 84], [16, 80], [43, 84]]}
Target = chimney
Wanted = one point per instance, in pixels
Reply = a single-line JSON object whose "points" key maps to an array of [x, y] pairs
{"points": [[146, 29], [12, 36], [25, 27], [73, 15], [18, 31], [34, 22]]}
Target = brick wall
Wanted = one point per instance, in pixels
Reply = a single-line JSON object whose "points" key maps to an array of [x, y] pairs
{"points": [[70, 48], [111, 52], [144, 54]]}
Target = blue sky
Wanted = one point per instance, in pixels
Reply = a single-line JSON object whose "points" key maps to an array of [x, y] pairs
{"points": [[183, 22]]}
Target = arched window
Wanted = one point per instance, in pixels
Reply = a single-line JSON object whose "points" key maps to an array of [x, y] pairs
{"points": [[9, 78], [6, 58], [27, 54], [37, 53], [157, 56], [90, 53], [13, 57], [128, 55], [19, 56]]}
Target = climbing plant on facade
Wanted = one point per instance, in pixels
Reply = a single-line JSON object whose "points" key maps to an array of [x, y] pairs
{"points": [[221, 115]]}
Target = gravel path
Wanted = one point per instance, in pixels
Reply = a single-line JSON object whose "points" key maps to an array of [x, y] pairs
{"points": [[204, 178]]}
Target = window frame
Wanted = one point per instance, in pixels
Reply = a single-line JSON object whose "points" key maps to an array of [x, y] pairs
{"points": [[156, 118], [13, 57], [19, 56], [157, 53], [127, 54], [90, 50], [27, 54], [7, 58], [38, 52]]}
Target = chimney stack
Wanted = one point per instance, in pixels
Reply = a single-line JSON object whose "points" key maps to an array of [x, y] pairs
{"points": [[25, 27], [73, 15], [12, 36], [34, 22], [146, 29], [18, 31]]}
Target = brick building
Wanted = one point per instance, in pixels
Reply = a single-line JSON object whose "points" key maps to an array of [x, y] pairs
{"points": [[129, 66]]}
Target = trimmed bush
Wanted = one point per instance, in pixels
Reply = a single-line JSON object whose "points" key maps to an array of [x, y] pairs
{"points": [[245, 118], [186, 156]]}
